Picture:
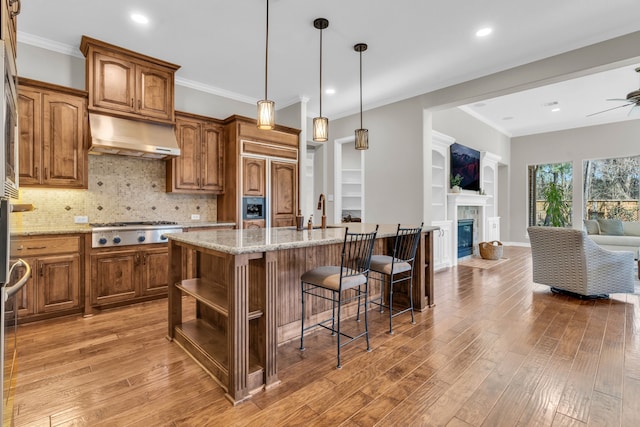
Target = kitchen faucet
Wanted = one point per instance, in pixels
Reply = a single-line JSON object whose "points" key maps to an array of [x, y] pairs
{"points": [[321, 205]]}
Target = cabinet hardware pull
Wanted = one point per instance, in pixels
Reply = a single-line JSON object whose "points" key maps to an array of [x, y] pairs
{"points": [[41, 270], [15, 13], [35, 172], [137, 259], [131, 102], [139, 104], [34, 247], [144, 260], [46, 173]]}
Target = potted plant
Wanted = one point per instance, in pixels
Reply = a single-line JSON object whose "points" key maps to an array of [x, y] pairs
{"points": [[455, 183], [556, 208]]}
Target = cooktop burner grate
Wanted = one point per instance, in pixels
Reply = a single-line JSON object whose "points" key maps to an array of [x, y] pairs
{"points": [[131, 223]]}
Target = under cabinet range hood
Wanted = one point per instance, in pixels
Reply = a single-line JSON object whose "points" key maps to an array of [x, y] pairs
{"points": [[113, 135]]}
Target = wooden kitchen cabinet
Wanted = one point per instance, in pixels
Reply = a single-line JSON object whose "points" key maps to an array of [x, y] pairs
{"points": [[260, 163], [284, 193], [123, 275], [253, 177], [54, 287], [52, 123], [127, 83], [200, 167]]}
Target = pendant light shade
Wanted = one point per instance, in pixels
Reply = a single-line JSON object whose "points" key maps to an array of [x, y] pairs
{"points": [[320, 124], [362, 135], [266, 109]]}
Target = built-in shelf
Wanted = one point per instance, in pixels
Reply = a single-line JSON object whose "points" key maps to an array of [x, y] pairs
{"points": [[214, 297]]}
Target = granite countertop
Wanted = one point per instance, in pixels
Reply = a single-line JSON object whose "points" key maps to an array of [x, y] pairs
{"points": [[86, 228], [270, 239]]}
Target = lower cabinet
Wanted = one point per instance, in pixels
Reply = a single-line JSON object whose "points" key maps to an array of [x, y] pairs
{"points": [[54, 287], [126, 274], [442, 245]]}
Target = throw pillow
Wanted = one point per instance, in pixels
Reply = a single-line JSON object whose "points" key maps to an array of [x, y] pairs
{"points": [[592, 227], [631, 228], [612, 227]]}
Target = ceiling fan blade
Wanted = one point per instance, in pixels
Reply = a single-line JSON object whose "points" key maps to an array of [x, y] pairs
{"points": [[622, 100], [635, 110], [609, 109]]}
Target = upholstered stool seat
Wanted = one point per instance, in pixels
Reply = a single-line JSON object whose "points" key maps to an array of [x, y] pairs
{"points": [[329, 277]]}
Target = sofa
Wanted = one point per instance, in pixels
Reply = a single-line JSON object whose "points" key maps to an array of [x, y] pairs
{"points": [[614, 234]]}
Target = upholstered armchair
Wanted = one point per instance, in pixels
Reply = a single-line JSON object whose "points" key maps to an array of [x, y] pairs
{"points": [[568, 260]]}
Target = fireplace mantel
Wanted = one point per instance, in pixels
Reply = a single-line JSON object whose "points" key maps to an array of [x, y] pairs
{"points": [[467, 199]]}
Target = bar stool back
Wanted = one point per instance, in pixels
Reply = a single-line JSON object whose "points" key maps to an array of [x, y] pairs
{"points": [[395, 269], [352, 273]]}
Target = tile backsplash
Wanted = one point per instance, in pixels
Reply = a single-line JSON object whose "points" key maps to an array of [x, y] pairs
{"points": [[120, 189]]}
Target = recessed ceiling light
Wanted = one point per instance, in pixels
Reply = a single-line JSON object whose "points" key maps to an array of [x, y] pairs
{"points": [[330, 91], [555, 109], [550, 104], [479, 104], [483, 32], [140, 19], [507, 118]]}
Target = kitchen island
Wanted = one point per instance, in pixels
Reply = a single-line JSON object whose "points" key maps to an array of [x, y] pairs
{"points": [[246, 285]]}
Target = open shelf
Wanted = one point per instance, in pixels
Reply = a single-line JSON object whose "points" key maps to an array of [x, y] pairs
{"points": [[214, 297], [207, 345]]}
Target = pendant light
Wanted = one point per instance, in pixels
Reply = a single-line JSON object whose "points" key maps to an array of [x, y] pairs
{"points": [[266, 108], [362, 135], [320, 124]]}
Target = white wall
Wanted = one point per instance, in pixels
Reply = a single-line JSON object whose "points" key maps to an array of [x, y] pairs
{"points": [[393, 163], [574, 145]]}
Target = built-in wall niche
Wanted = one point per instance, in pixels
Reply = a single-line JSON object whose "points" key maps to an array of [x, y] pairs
{"points": [[349, 181]]}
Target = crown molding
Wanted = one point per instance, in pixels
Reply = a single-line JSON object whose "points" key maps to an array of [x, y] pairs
{"points": [[48, 44]]}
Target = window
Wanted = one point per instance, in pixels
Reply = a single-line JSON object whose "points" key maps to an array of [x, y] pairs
{"points": [[611, 188], [550, 190]]}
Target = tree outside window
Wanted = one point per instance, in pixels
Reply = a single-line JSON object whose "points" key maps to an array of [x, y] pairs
{"points": [[612, 188], [550, 192]]}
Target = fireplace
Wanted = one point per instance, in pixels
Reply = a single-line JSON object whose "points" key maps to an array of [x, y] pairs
{"points": [[465, 237]]}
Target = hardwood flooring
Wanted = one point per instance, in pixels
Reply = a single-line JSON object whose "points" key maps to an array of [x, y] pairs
{"points": [[497, 350]]}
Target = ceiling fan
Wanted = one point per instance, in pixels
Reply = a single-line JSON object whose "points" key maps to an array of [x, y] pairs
{"points": [[632, 99]]}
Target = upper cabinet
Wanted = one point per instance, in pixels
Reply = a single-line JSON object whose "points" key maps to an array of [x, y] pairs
{"points": [[200, 167], [128, 84], [52, 123]]}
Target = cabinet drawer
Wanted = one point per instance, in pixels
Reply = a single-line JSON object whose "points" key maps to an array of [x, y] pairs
{"points": [[45, 246]]}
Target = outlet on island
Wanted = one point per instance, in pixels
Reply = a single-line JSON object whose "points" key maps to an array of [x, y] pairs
{"points": [[195, 217]]}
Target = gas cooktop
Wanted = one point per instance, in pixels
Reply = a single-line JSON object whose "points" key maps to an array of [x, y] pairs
{"points": [[131, 223]]}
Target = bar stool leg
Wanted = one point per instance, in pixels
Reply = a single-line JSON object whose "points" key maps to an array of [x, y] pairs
{"points": [[302, 318], [339, 366]]}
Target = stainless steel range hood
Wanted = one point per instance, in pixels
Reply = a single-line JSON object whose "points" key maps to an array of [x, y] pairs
{"points": [[113, 135]]}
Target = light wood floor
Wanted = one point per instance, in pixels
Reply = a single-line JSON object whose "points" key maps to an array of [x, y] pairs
{"points": [[497, 350]]}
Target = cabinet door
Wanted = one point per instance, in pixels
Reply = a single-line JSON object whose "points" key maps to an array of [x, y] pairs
{"points": [[155, 268], [25, 299], [254, 223], [154, 93], [186, 167], [113, 276], [63, 132], [113, 83], [284, 193], [30, 136], [212, 158], [58, 284], [253, 177]]}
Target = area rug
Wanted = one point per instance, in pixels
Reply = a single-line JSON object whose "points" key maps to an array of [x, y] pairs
{"points": [[478, 262]]}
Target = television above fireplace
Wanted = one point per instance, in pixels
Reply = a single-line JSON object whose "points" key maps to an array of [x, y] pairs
{"points": [[465, 162]]}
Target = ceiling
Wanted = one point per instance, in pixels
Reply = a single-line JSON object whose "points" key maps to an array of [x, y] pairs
{"points": [[415, 47]]}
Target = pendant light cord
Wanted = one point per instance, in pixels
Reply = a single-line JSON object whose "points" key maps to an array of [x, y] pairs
{"points": [[320, 72], [361, 89], [266, 54]]}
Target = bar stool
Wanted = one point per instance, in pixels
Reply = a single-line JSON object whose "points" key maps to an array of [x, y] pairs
{"points": [[352, 273], [395, 269]]}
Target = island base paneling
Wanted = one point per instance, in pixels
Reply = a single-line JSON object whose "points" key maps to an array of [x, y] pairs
{"points": [[248, 304]]}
